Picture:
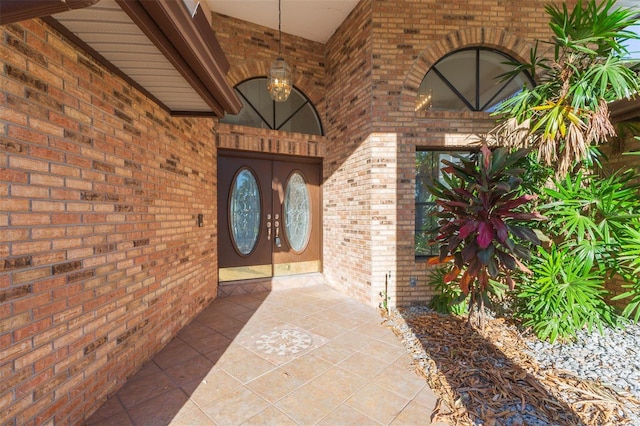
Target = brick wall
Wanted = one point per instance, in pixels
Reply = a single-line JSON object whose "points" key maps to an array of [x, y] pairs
{"points": [[101, 261], [254, 139], [251, 49], [370, 70], [348, 176], [409, 37], [375, 63]]}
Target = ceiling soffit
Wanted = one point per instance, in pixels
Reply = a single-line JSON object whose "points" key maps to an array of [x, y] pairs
{"points": [[172, 56]]}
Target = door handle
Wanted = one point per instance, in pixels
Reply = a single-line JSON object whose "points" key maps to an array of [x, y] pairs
{"points": [[277, 225], [268, 226]]}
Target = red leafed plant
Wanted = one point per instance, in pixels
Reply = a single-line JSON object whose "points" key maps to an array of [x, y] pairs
{"points": [[482, 221]]}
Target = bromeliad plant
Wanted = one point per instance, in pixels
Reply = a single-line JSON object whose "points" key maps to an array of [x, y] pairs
{"points": [[482, 223]]}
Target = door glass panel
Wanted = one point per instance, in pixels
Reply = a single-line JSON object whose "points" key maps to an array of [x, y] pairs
{"points": [[244, 211], [297, 212]]}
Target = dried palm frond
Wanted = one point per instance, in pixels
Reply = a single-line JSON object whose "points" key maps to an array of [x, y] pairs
{"points": [[486, 376], [575, 148], [547, 151], [511, 134], [599, 127]]}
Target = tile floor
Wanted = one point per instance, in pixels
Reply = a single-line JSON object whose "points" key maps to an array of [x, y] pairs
{"points": [[301, 356]]}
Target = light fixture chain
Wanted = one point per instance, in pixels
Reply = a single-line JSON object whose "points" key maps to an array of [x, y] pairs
{"points": [[279, 85], [279, 27]]}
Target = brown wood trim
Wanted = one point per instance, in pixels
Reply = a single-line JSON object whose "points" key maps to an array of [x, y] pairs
{"points": [[196, 41], [170, 27], [193, 114], [625, 110], [209, 36], [233, 153], [20, 10], [102, 60]]}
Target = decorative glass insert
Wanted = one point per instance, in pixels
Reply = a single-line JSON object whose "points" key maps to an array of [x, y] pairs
{"points": [[244, 211], [428, 166], [297, 212], [468, 79], [296, 114]]}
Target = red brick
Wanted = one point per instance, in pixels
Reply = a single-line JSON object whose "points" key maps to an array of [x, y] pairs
{"points": [[27, 303], [11, 175], [45, 127], [34, 382], [30, 275], [48, 258], [65, 194], [61, 170], [48, 310], [50, 334], [31, 329], [29, 191], [14, 234], [30, 247], [47, 206], [65, 145], [48, 180], [13, 116], [65, 218], [13, 322], [51, 359], [24, 134], [15, 350], [15, 204], [48, 414]]}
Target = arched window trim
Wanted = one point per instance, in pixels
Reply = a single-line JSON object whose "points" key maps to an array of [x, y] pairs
{"points": [[272, 125], [478, 49]]}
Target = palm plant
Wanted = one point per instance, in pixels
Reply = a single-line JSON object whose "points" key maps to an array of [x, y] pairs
{"points": [[563, 296], [567, 112], [630, 255], [594, 222]]}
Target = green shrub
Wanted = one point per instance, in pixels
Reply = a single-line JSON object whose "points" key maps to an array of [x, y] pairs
{"points": [[449, 298], [564, 295], [597, 220]]}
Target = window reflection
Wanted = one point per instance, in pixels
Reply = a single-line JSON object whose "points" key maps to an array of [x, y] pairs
{"points": [[296, 114], [469, 80]]}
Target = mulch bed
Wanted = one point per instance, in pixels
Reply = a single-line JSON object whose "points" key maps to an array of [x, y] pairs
{"points": [[483, 377]]}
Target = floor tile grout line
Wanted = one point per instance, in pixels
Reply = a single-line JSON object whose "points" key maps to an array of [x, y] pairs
{"points": [[338, 308]]}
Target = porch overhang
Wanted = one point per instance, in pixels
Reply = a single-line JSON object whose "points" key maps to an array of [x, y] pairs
{"points": [[167, 51], [20, 10]]}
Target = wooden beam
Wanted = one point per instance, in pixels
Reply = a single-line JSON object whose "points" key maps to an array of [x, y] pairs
{"points": [[20, 10]]}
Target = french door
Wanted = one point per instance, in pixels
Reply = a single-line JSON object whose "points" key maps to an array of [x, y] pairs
{"points": [[268, 217]]}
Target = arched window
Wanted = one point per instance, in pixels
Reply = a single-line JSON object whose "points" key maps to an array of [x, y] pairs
{"points": [[296, 114], [466, 80]]}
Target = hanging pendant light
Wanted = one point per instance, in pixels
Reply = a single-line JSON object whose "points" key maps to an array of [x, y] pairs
{"points": [[280, 74]]}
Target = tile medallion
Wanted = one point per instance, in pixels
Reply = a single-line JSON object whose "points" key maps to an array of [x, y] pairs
{"points": [[283, 343]]}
